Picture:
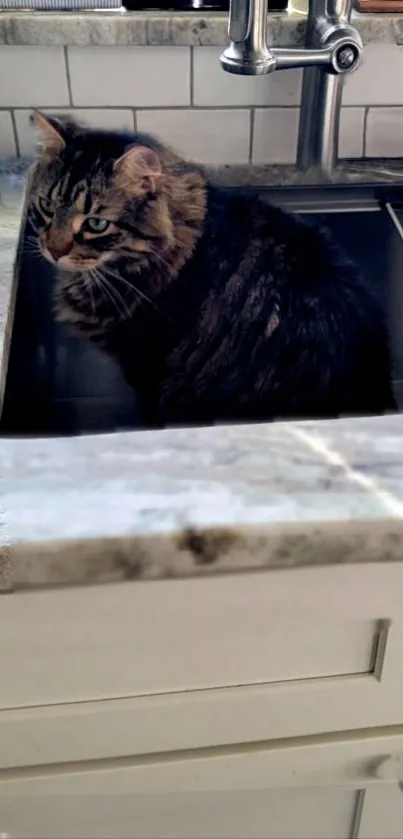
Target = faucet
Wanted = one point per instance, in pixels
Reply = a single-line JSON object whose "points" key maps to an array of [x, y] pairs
{"points": [[333, 48]]}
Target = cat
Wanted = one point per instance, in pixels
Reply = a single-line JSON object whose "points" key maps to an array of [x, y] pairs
{"points": [[217, 306]]}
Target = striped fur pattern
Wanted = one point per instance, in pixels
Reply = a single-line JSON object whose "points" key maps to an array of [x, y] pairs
{"points": [[217, 306]]}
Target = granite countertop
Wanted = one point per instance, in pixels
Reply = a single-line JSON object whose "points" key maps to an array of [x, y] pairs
{"points": [[175, 503], [121, 28], [96, 509]]}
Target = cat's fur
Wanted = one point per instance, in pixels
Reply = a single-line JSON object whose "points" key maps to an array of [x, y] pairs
{"points": [[217, 306]]}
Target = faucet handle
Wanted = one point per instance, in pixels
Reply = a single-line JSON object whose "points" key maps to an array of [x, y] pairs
{"points": [[346, 55], [338, 44], [340, 54]]}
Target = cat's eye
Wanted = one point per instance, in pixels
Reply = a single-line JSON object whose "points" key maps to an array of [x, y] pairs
{"points": [[45, 206], [95, 225]]}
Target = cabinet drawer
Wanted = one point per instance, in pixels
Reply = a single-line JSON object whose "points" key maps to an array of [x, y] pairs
{"points": [[78, 646], [196, 663], [275, 814], [317, 791]]}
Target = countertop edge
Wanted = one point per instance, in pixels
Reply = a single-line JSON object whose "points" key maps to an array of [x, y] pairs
{"points": [[121, 28], [201, 552]]}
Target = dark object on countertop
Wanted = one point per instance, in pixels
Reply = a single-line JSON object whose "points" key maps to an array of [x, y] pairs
{"points": [[217, 307], [177, 6], [193, 5]]}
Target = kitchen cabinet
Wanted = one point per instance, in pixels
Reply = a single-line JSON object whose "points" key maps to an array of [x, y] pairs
{"points": [[260, 705], [300, 791]]}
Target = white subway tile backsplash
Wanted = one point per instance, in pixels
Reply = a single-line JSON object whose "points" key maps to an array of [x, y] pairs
{"points": [[7, 141], [205, 136], [212, 86], [275, 135], [131, 76], [379, 79], [33, 76], [109, 83], [110, 118], [384, 132], [351, 134]]}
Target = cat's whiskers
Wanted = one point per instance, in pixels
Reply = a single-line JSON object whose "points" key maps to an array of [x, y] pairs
{"points": [[32, 224], [113, 275], [88, 282], [30, 246], [113, 294], [162, 260], [98, 281], [125, 310]]}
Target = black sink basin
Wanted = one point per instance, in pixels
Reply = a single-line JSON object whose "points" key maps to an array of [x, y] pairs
{"points": [[59, 384]]}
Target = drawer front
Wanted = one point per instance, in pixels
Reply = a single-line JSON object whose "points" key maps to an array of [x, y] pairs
{"points": [[275, 814], [80, 646], [322, 791], [185, 664]]}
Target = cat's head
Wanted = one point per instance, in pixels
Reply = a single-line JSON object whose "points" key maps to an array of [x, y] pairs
{"points": [[98, 196]]}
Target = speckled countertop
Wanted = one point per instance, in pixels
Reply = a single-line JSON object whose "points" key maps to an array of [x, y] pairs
{"points": [[189, 501], [121, 28], [184, 502]]}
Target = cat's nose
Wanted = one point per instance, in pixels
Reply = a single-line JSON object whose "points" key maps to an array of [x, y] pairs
{"points": [[58, 248]]}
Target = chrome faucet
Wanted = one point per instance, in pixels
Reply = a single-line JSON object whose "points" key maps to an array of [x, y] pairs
{"points": [[332, 48]]}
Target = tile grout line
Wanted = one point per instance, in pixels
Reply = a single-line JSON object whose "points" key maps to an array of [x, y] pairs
{"points": [[191, 77], [16, 137], [333, 458], [68, 78], [206, 107], [251, 134], [364, 137], [128, 107]]}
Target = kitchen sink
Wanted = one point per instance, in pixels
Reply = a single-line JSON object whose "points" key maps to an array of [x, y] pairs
{"points": [[58, 384]]}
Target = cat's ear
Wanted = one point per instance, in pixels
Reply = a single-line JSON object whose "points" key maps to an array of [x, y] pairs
{"points": [[140, 166], [50, 130]]}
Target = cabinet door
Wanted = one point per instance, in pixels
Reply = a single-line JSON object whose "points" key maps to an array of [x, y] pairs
{"points": [[380, 813], [248, 814], [320, 791], [139, 668]]}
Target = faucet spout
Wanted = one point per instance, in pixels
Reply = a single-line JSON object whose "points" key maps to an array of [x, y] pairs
{"points": [[332, 48], [331, 42], [248, 53]]}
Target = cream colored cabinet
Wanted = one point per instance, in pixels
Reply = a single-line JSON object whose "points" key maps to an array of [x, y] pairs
{"points": [[262, 814], [328, 790], [138, 668], [260, 705]]}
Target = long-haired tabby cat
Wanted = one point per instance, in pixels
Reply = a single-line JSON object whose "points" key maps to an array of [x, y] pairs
{"points": [[217, 306]]}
